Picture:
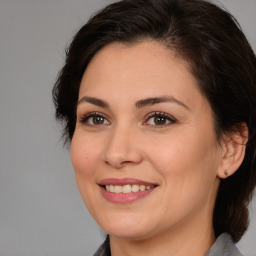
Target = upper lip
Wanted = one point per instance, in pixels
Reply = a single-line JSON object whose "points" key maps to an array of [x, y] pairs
{"points": [[125, 181]]}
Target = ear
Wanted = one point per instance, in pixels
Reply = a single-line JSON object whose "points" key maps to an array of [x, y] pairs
{"points": [[233, 150]]}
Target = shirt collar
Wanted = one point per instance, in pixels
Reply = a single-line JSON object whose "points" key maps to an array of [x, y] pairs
{"points": [[223, 246]]}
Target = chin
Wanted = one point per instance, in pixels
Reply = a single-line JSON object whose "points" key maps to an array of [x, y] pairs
{"points": [[126, 227]]}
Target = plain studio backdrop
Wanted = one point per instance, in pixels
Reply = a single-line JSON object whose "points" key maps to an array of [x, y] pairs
{"points": [[41, 212]]}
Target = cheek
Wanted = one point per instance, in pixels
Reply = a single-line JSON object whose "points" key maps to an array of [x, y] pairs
{"points": [[84, 157], [186, 162], [84, 154], [188, 171]]}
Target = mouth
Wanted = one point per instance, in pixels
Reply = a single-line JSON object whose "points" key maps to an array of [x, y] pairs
{"points": [[125, 190], [128, 188]]}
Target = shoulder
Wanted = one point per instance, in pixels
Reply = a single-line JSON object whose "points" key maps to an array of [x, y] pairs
{"points": [[224, 246]]}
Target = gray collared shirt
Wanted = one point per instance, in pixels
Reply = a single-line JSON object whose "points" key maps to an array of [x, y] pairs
{"points": [[223, 246]]}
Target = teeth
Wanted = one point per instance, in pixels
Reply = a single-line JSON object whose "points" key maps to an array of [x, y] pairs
{"points": [[142, 187], [111, 189], [127, 188], [135, 188]]}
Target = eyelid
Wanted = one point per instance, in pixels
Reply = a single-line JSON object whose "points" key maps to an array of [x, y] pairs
{"points": [[162, 114], [85, 117]]}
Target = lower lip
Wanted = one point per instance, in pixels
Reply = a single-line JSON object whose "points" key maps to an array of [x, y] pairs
{"points": [[125, 197]]}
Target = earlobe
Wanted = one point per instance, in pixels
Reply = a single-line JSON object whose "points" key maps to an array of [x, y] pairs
{"points": [[233, 151]]}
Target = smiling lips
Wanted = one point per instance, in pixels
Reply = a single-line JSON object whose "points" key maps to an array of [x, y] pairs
{"points": [[125, 190]]}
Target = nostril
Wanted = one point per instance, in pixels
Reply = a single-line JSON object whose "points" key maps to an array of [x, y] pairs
{"points": [[125, 162], [118, 164]]}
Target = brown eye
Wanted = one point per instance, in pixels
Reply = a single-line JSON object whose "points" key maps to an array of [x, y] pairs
{"points": [[94, 119], [160, 120]]}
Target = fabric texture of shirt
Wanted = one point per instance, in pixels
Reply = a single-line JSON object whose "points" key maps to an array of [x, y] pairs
{"points": [[223, 246]]}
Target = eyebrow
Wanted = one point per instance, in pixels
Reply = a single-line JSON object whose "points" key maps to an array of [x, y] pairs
{"points": [[157, 100], [139, 104], [94, 101]]}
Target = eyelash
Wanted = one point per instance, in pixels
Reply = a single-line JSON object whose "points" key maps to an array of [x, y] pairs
{"points": [[167, 117], [84, 119], [172, 120]]}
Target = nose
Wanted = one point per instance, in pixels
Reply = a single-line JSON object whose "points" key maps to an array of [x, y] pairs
{"points": [[123, 148]]}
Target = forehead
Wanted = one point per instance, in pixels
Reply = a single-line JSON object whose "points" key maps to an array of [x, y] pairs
{"points": [[139, 70], [141, 56]]}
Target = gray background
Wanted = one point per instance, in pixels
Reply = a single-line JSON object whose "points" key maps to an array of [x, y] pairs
{"points": [[41, 212]]}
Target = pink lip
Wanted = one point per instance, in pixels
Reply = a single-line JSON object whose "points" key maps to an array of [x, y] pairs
{"points": [[125, 197]]}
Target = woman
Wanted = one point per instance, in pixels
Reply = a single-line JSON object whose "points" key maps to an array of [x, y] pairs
{"points": [[158, 99]]}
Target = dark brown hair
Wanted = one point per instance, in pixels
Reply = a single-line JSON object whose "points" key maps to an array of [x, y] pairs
{"points": [[220, 57]]}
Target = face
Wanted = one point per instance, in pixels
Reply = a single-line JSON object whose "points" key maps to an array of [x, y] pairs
{"points": [[144, 150]]}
